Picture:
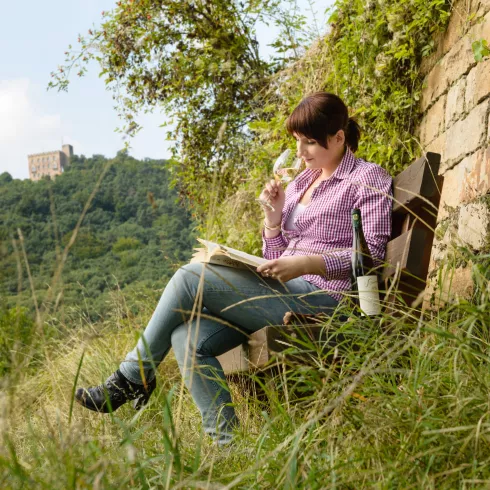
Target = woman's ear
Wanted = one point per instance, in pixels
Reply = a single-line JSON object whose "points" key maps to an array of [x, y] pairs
{"points": [[340, 137]]}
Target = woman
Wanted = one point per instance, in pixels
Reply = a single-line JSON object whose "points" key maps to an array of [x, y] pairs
{"points": [[307, 241]]}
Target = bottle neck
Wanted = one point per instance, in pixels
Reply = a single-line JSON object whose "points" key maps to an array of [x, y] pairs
{"points": [[356, 222]]}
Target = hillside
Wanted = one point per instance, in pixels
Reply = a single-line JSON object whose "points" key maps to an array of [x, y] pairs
{"points": [[133, 235]]}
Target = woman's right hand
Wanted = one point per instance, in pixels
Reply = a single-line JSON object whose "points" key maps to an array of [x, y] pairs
{"points": [[275, 195]]}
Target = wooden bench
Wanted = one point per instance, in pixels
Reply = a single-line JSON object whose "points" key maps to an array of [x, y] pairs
{"points": [[416, 192]]}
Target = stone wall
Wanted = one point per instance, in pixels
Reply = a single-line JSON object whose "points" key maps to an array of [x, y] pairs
{"points": [[456, 105]]}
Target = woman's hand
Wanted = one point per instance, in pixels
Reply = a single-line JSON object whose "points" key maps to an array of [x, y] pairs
{"points": [[274, 194], [285, 268]]}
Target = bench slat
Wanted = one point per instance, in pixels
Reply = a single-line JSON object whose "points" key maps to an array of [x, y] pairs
{"points": [[418, 180], [407, 250], [235, 360]]}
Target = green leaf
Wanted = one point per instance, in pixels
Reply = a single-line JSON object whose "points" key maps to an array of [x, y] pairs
{"points": [[333, 18], [480, 49]]}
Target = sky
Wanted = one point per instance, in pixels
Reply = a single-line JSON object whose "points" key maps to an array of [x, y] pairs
{"points": [[33, 37]]}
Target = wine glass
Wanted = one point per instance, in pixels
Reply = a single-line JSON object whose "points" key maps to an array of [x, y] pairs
{"points": [[285, 169]]}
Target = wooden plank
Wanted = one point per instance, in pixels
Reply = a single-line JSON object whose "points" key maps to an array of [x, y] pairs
{"points": [[420, 180], [235, 360], [258, 354], [251, 355], [407, 250]]}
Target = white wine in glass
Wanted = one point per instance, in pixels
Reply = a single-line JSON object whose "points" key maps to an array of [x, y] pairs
{"points": [[285, 169]]}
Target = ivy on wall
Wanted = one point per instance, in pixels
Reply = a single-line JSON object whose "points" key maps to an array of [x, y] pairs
{"points": [[371, 58]]}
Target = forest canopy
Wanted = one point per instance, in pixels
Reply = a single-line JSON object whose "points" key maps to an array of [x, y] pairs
{"points": [[134, 233]]}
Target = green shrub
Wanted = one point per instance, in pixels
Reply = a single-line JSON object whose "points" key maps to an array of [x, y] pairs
{"points": [[17, 335], [126, 243]]}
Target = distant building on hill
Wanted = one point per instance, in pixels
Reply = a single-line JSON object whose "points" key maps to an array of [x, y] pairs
{"points": [[50, 163]]}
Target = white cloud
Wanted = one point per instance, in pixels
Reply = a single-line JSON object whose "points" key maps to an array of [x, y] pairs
{"points": [[50, 122], [24, 128]]}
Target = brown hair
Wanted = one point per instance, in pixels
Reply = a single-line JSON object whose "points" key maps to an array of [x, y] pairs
{"points": [[320, 115]]}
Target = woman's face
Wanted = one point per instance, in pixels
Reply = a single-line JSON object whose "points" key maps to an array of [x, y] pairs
{"points": [[316, 156]]}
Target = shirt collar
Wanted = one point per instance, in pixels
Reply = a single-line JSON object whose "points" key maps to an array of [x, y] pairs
{"points": [[341, 172], [346, 165]]}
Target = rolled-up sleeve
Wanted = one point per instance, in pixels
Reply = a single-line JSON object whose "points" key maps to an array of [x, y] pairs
{"points": [[337, 264], [273, 248]]}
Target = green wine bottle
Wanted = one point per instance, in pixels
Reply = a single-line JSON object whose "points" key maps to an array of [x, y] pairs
{"points": [[363, 277]]}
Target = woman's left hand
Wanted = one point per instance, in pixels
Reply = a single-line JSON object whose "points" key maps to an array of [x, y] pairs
{"points": [[284, 269]]}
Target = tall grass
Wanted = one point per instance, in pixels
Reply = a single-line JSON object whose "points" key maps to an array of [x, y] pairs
{"points": [[401, 402]]}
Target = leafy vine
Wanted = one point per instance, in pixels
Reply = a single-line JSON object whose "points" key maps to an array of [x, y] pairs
{"points": [[371, 58]]}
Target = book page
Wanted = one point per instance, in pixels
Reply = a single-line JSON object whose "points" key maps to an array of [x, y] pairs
{"points": [[233, 253], [228, 262], [218, 258], [245, 257], [211, 247]]}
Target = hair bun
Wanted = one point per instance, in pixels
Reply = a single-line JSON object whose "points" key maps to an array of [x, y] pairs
{"points": [[352, 134]]}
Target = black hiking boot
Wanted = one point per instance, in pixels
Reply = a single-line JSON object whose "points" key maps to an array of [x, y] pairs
{"points": [[114, 392]]}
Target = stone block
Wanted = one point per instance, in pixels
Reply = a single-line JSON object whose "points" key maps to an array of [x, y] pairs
{"points": [[476, 176], [480, 7], [431, 86], [445, 238], [453, 66], [428, 62], [437, 146], [456, 28], [465, 136], [448, 285], [456, 63], [468, 180], [457, 283], [455, 102], [458, 60], [434, 120], [481, 25], [457, 25], [474, 225], [478, 84], [488, 135], [419, 131], [450, 195]]}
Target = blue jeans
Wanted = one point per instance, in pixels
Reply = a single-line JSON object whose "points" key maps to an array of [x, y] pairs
{"points": [[190, 318]]}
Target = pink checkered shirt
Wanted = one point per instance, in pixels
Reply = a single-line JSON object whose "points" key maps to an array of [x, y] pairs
{"points": [[325, 226]]}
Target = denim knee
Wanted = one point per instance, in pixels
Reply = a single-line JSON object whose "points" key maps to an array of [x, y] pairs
{"points": [[188, 275], [179, 342], [195, 345]]}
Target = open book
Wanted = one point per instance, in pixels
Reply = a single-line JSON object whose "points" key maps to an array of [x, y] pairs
{"points": [[212, 253]]}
